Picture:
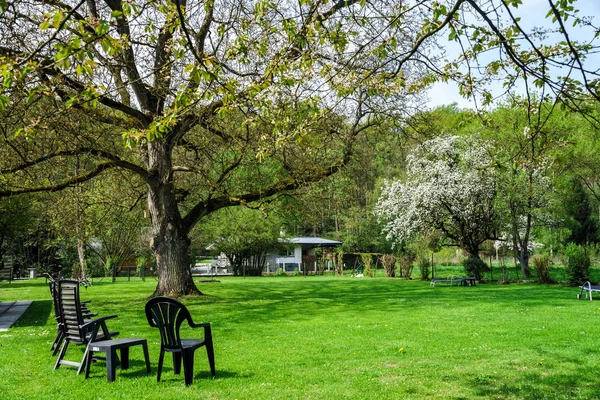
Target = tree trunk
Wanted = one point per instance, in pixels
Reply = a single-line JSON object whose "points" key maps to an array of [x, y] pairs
{"points": [[171, 250], [81, 255], [520, 247], [523, 257], [169, 241]]}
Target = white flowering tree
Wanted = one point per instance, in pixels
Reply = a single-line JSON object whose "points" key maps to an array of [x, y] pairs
{"points": [[450, 187]]}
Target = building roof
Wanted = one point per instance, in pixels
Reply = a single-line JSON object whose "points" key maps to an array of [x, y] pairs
{"points": [[313, 241]]}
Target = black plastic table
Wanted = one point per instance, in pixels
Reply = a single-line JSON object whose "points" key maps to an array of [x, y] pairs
{"points": [[110, 347]]}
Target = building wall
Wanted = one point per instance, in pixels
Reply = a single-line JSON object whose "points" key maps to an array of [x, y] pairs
{"points": [[275, 261], [289, 263]]}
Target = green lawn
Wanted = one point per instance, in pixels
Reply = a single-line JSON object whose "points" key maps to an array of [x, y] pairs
{"points": [[329, 338]]}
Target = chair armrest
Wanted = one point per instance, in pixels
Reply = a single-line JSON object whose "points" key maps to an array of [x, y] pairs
{"points": [[97, 321], [207, 330], [94, 326]]}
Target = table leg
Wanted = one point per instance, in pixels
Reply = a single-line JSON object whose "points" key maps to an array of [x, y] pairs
{"points": [[146, 356], [111, 365], [125, 358]]}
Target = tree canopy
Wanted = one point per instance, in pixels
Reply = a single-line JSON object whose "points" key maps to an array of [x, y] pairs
{"points": [[211, 104]]}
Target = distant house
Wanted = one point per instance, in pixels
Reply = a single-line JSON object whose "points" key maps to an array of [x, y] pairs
{"points": [[301, 256]]}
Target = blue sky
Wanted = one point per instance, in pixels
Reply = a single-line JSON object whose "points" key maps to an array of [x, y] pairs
{"points": [[532, 13]]}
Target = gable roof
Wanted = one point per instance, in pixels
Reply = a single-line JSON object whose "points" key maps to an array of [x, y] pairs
{"points": [[313, 241]]}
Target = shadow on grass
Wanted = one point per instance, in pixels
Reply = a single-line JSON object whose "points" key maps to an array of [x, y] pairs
{"points": [[579, 383], [259, 301], [24, 283], [37, 314]]}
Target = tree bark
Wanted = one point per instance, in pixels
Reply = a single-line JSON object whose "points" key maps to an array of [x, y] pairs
{"points": [[521, 244], [81, 256], [169, 241]]}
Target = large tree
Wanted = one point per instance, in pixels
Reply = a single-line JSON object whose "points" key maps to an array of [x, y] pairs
{"points": [[181, 79], [526, 149], [219, 102]]}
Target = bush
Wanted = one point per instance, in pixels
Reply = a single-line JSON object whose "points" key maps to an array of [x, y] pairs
{"points": [[141, 266], [424, 267], [406, 265], [475, 267], [339, 265], [367, 260], [578, 264], [389, 264], [541, 264]]}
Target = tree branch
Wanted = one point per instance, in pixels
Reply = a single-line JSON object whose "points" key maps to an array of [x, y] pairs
{"points": [[60, 186], [114, 160]]}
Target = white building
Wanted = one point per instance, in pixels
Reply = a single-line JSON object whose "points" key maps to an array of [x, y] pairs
{"points": [[301, 256]]}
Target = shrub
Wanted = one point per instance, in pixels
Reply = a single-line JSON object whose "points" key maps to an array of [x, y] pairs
{"points": [[389, 264], [424, 267], [109, 266], [578, 264], [541, 263], [141, 262], [75, 270], [339, 265], [475, 267], [406, 265], [367, 260]]}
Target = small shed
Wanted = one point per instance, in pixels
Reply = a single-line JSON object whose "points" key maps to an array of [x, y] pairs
{"points": [[301, 255]]}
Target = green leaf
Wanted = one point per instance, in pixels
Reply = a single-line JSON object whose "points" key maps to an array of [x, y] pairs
{"points": [[57, 19], [3, 5], [105, 45], [4, 101], [8, 80]]}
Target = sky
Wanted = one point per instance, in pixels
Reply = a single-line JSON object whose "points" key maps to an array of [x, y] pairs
{"points": [[532, 13]]}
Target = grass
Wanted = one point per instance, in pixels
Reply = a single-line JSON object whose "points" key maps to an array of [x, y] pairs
{"points": [[329, 338]]}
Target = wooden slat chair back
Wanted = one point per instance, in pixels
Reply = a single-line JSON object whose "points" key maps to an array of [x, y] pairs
{"points": [[167, 315], [75, 328], [70, 310], [60, 335]]}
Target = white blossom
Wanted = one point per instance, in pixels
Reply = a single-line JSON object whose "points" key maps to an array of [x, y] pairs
{"points": [[450, 186]]}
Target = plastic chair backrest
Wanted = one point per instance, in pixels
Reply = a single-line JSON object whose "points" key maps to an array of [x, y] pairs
{"points": [[167, 315]]}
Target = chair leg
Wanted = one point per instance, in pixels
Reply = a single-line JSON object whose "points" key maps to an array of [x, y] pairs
{"points": [[177, 363], [57, 342], [146, 356], [84, 360], [88, 363], [161, 358], [61, 354], [188, 367], [211, 357]]}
